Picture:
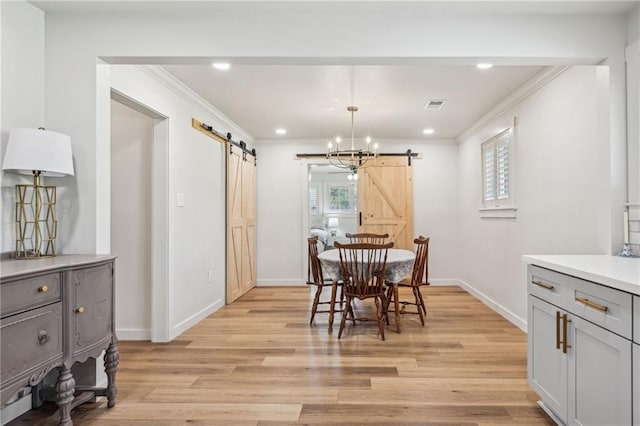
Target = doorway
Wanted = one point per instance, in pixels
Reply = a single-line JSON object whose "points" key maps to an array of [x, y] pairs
{"points": [[333, 204], [138, 219]]}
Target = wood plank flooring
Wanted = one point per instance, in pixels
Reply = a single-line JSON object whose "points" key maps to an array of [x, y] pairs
{"points": [[257, 362]]}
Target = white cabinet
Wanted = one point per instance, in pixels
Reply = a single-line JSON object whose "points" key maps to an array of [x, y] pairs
{"points": [[547, 365], [635, 378], [599, 375], [580, 368], [636, 383]]}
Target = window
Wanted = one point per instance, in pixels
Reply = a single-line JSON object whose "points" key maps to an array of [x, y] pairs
{"points": [[314, 199], [497, 181], [341, 198]]}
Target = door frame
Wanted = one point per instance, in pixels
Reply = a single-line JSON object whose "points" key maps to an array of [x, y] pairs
{"points": [[160, 250]]}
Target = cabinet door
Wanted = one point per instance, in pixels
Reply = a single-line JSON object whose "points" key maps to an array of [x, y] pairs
{"points": [[599, 375], [636, 384], [547, 365], [636, 319], [91, 316]]}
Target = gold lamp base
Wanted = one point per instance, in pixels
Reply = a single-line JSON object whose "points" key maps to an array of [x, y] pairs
{"points": [[36, 223]]}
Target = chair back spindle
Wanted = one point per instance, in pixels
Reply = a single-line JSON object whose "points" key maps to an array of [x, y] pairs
{"points": [[362, 267], [367, 238]]}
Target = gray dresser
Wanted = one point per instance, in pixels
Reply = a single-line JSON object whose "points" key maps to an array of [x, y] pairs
{"points": [[55, 312]]}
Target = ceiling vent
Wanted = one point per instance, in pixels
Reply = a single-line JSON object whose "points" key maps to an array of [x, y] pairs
{"points": [[435, 104]]}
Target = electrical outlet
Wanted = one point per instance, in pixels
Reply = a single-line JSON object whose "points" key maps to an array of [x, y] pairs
{"points": [[180, 199]]}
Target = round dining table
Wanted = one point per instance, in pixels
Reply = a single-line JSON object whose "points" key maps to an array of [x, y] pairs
{"points": [[399, 265]]}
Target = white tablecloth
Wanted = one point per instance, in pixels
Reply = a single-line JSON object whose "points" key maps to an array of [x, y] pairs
{"points": [[399, 264]]}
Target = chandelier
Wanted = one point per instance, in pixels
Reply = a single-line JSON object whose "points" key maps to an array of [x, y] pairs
{"points": [[352, 158]]}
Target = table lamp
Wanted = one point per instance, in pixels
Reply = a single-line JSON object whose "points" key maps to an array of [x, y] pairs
{"points": [[38, 152], [333, 224]]}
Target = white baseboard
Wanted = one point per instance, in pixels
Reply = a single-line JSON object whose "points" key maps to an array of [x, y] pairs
{"points": [[133, 333], [507, 314], [186, 324], [444, 282], [290, 282], [15, 409]]}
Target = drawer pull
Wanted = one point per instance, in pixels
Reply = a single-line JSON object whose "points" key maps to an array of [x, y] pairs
{"points": [[565, 320], [543, 285], [592, 304], [43, 289], [558, 340], [43, 337], [80, 310]]}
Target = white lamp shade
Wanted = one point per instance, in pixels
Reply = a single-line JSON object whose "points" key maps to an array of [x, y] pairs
{"points": [[35, 149], [333, 222]]}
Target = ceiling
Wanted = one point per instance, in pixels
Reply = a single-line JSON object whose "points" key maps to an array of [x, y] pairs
{"points": [[309, 99]]}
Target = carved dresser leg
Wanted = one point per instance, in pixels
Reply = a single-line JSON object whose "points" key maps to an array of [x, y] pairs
{"points": [[65, 388], [111, 360]]}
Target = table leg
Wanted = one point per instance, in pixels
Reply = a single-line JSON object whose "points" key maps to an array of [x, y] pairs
{"points": [[396, 304], [332, 305]]}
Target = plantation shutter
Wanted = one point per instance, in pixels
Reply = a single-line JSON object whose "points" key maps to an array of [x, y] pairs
{"points": [[496, 169]]}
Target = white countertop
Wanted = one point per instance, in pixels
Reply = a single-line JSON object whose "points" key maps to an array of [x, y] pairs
{"points": [[622, 273]]}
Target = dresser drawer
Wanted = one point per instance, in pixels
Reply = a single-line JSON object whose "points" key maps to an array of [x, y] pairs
{"points": [[604, 306], [20, 295], [31, 343]]}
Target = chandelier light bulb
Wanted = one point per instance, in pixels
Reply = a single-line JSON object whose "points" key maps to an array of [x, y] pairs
{"points": [[368, 139], [329, 145], [350, 177], [338, 139], [375, 146]]}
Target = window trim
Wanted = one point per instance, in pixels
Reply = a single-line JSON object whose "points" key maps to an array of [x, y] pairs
{"points": [[352, 198], [496, 207]]}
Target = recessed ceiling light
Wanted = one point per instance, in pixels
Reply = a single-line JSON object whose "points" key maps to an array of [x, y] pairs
{"points": [[428, 131], [484, 66], [281, 131], [223, 66]]}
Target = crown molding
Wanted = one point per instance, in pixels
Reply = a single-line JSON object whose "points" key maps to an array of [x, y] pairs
{"points": [[514, 99], [185, 92]]}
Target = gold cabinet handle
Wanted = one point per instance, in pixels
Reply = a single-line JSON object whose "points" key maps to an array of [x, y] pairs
{"points": [[43, 289], [592, 304], [564, 332], [557, 329], [543, 285], [80, 310]]}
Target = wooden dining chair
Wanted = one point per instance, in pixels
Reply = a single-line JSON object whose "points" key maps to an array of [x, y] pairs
{"points": [[362, 267], [366, 238], [419, 278], [315, 278]]}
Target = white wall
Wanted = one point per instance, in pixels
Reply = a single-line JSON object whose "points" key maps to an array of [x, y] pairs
{"points": [[281, 200], [410, 32], [131, 162], [22, 90], [196, 168], [562, 188], [632, 56]]}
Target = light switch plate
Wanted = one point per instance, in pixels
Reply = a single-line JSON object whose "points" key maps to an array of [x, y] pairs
{"points": [[180, 199]]}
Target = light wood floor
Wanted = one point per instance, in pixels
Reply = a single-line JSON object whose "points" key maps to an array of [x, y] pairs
{"points": [[257, 362]]}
